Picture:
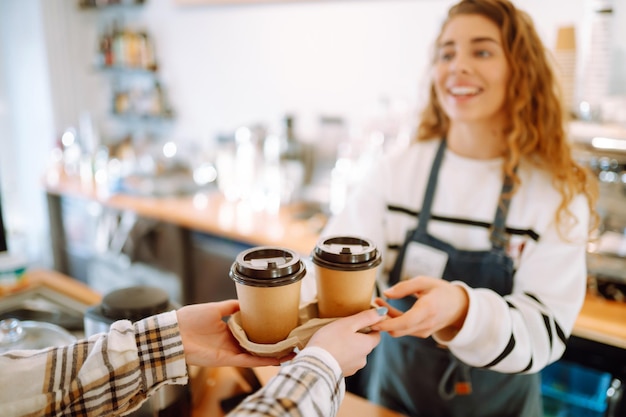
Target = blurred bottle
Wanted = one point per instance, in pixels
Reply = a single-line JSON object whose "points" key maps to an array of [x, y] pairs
{"points": [[292, 162], [71, 152], [158, 101], [104, 57], [146, 52], [117, 45], [248, 160], [597, 71], [272, 178], [226, 167]]}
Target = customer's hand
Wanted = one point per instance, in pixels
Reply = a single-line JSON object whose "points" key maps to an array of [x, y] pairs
{"points": [[207, 339], [343, 340], [441, 308]]}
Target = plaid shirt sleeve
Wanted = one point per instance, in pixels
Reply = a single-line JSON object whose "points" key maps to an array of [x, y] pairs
{"points": [[311, 385], [100, 376]]}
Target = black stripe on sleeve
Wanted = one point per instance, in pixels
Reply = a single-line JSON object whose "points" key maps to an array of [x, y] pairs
{"points": [[534, 297], [559, 331], [507, 350], [546, 321], [530, 364]]}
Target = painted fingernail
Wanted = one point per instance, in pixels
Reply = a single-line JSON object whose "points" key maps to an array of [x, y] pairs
{"points": [[382, 311]]}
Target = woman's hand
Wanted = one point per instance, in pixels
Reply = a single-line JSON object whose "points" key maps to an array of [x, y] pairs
{"points": [[441, 308], [207, 340], [343, 339]]}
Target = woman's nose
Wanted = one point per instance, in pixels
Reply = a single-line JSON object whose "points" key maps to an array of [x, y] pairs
{"points": [[461, 64]]}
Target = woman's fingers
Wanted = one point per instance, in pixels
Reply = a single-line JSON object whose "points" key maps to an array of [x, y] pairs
{"points": [[391, 311], [412, 286]]}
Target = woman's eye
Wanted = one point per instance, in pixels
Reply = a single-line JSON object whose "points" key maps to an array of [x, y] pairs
{"points": [[483, 53], [445, 56]]}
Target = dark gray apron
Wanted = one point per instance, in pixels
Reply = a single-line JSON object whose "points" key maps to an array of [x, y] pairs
{"points": [[415, 376]]}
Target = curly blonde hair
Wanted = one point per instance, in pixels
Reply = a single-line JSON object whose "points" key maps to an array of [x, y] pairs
{"points": [[533, 107]]}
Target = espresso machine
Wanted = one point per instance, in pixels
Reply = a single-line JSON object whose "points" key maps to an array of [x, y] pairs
{"points": [[606, 254]]}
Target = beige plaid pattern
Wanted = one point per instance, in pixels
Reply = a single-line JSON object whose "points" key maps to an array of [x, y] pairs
{"points": [[106, 375], [309, 386], [103, 375]]}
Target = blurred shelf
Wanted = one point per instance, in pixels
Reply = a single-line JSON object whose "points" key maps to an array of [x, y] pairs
{"points": [[108, 4], [127, 70], [136, 117]]}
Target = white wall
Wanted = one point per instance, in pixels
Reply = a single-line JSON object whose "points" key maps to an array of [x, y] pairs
{"points": [[229, 65], [222, 66], [26, 125]]}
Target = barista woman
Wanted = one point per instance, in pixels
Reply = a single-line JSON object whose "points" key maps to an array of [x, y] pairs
{"points": [[483, 221]]}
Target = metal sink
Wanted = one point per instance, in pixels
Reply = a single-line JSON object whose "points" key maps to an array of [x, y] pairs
{"points": [[45, 304]]}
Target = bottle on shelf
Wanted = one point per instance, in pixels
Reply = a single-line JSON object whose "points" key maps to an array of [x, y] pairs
{"points": [[98, 4], [104, 56], [124, 48], [146, 52], [126, 54], [292, 162]]}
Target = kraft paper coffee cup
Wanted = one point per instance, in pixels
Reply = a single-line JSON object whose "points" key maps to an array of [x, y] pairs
{"points": [[345, 274], [267, 281]]}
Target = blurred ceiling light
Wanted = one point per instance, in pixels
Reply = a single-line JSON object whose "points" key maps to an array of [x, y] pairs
{"points": [[609, 143], [204, 174], [68, 138], [243, 134], [169, 149]]}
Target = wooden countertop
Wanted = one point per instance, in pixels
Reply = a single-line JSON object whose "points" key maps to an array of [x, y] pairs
{"points": [[58, 282], [207, 212], [603, 321]]}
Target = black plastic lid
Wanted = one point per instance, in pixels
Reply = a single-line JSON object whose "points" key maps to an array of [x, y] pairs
{"points": [[346, 253], [267, 266], [135, 303]]}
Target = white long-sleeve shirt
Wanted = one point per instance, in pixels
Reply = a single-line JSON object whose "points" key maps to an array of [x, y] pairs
{"points": [[550, 278]]}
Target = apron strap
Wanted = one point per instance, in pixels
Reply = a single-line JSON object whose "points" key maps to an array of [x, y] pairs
{"points": [[424, 215], [429, 195], [498, 237]]}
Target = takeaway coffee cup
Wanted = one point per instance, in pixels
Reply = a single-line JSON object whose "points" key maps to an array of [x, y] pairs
{"points": [[345, 274], [267, 281]]}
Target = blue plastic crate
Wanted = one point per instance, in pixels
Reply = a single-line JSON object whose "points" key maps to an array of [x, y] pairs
{"points": [[580, 390], [556, 408]]}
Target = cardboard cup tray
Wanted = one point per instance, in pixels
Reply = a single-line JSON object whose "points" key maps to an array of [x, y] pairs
{"points": [[308, 324]]}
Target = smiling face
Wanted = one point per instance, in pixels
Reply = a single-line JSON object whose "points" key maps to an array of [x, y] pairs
{"points": [[471, 71]]}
